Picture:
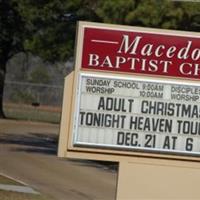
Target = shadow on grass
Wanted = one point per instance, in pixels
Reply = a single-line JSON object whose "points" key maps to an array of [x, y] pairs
{"points": [[32, 142]]}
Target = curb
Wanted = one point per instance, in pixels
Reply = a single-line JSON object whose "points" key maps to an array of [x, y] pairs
{"points": [[23, 188], [15, 188], [14, 179]]}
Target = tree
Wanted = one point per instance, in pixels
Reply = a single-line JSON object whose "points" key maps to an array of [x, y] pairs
{"points": [[190, 16], [51, 25], [46, 28], [11, 35], [43, 27], [152, 13], [39, 75]]}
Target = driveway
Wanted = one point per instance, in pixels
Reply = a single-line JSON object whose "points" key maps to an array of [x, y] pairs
{"points": [[28, 153]]}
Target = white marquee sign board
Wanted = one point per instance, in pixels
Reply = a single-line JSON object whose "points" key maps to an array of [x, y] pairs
{"points": [[137, 114]]}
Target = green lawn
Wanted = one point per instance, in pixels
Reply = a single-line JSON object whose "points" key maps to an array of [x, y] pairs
{"points": [[23, 112]]}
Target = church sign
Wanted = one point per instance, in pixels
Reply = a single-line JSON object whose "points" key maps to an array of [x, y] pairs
{"points": [[134, 91]]}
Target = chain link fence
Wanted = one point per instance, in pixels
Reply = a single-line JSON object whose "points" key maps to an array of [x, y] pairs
{"points": [[31, 101]]}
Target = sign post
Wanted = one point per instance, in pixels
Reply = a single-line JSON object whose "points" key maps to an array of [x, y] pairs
{"points": [[134, 97]]}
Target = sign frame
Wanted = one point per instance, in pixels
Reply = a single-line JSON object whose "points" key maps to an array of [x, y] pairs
{"points": [[66, 148]]}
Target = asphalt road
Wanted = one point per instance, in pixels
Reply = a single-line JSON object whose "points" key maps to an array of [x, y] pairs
{"points": [[28, 153]]}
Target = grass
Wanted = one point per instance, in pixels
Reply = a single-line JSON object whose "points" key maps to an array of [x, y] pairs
{"points": [[24, 112]]}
